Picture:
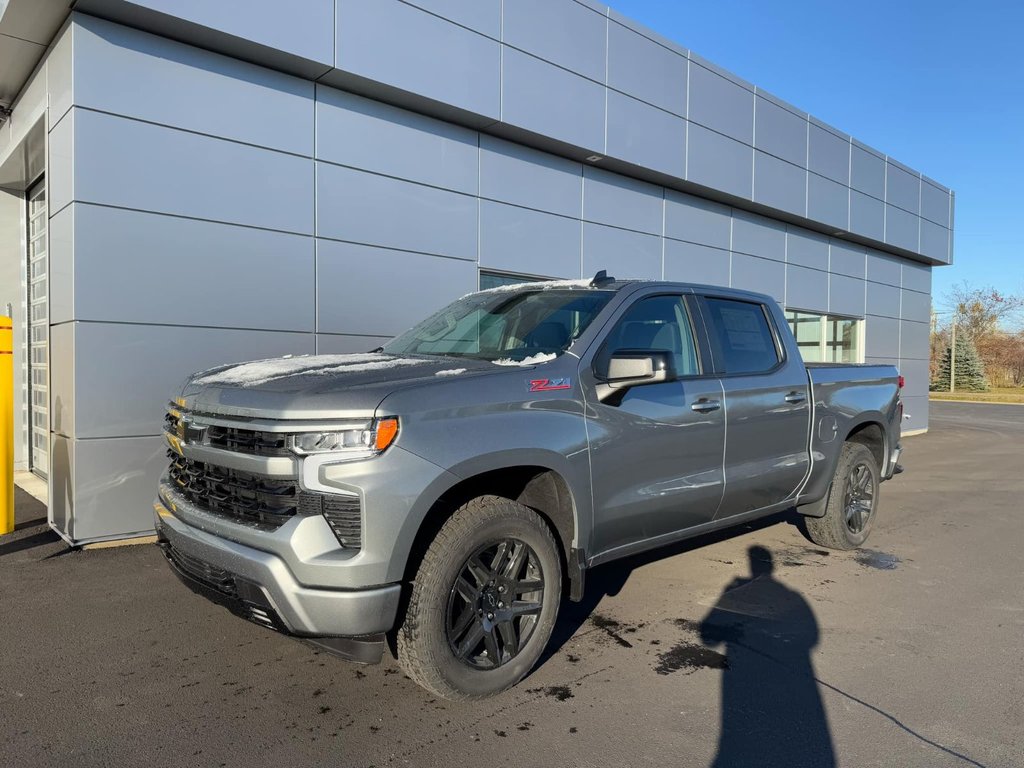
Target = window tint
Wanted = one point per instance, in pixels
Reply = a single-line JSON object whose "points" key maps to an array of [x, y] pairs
{"points": [[659, 323], [743, 334]]}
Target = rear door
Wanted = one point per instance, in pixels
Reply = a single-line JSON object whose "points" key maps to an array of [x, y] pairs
{"points": [[766, 402], [656, 450]]}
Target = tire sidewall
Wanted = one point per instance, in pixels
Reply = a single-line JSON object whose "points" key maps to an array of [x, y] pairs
{"points": [[502, 519], [854, 454]]}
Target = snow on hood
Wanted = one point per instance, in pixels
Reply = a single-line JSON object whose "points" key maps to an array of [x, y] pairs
{"points": [[541, 357], [264, 371], [452, 372]]}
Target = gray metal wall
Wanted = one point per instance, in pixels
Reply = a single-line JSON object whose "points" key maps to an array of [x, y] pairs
{"points": [[578, 75], [205, 210]]}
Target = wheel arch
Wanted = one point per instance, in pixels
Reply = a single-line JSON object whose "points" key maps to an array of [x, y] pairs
{"points": [[538, 486], [872, 434], [868, 430]]}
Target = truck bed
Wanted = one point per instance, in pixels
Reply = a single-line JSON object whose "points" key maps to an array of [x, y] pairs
{"points": [[846, 394]]}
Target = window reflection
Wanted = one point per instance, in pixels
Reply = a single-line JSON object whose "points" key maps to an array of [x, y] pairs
{"points": [[826, 338]]}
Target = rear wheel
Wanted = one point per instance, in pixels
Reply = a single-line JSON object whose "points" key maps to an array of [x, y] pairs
{"points": [[484, 601], [852, 501]]}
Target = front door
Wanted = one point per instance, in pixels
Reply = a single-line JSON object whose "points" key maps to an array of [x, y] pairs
{"points": [[656, 450]]}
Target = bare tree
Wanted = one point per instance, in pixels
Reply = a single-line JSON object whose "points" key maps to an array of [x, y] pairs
{"points": [[991, 320], [1004, 356], [979, 312]]}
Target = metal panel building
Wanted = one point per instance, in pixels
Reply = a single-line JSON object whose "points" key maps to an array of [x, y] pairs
{"points": [[184, 183]]}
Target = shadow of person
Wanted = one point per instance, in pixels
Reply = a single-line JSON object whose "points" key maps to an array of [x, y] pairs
{"points": [[772, 712], [609, 579]]}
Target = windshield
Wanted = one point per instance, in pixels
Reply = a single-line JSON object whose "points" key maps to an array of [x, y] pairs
{"points": [[503, 326]]}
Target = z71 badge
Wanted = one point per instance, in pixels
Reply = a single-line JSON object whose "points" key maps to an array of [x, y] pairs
{"points": [[549, 385]]}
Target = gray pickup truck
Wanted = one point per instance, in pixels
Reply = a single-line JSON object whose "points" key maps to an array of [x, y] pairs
{"points": [[445, 491]]}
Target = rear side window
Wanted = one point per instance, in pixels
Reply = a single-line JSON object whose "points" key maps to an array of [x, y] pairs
{"points": [[744, 336]]}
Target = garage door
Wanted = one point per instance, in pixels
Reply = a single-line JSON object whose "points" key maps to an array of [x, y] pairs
{"points": [[38, 333]]}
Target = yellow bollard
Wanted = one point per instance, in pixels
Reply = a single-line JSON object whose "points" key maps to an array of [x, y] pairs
{"points": [[6, 425]]}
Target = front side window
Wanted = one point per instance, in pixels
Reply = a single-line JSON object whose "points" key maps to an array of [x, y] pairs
{"points": [[744, 337], [509, 325], [656, 324]]}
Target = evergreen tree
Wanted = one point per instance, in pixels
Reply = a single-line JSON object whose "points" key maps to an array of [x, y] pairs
{"points": [[970, 372]]}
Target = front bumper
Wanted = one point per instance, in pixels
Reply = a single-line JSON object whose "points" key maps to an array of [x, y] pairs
{"points": [[260, 586]]}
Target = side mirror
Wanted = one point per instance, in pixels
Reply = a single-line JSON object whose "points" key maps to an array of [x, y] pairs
{"points": [[633, 368]]}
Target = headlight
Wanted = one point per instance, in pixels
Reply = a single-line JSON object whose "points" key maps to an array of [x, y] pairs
{"points": [[357, 442]]}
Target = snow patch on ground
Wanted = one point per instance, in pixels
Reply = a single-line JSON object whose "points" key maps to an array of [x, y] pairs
{"points": [[265, 371], [541, 357], [453, 372]]}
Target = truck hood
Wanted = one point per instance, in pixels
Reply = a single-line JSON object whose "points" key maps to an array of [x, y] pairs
{"points": [[319, 386]]}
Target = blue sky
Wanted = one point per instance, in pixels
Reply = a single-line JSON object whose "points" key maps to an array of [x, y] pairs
{"points": [[937, 85]]}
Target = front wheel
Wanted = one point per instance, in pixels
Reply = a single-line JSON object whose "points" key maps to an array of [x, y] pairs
{"points": [[852, 501], [484, 601]]}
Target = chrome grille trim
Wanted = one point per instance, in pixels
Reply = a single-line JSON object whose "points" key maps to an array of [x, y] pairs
{"points": [[282, 467]]}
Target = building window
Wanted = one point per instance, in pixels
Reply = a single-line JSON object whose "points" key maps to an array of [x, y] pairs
{"points": [[498, 279], [827, 338]]}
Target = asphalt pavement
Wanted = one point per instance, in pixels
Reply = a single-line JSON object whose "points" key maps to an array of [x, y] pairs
{"points": [[749, 648]]}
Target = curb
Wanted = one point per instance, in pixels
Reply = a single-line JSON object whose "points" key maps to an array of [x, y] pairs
{"points": [[972, 402]]}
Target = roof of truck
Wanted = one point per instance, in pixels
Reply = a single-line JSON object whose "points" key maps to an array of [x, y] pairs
{"points": [[616, 284]]}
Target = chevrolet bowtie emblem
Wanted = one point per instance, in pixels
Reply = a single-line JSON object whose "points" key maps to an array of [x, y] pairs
{"points": [[189, 432]]}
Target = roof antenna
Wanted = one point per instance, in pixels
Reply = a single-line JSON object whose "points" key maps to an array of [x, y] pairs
{"points": [[601, 278]]}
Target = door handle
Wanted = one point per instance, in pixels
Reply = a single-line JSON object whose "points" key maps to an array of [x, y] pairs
{"points": [[795, 397], [706, 406]]}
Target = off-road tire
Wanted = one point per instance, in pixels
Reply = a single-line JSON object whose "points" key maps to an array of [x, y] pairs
{"points": [[422, 643], [833, 530]]}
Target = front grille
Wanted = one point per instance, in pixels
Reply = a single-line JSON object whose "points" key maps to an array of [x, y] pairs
{"points": [[208, 575], [248, 441], [264, 501], [260, 500], [237, 439]]}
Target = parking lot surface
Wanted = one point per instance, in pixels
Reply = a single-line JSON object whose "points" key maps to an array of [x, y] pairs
{"points": [[748, 648]]}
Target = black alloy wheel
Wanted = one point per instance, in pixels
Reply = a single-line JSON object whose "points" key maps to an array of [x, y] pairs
{"points": [[483, 602], [494, 604], [860, 498], [852, 502]]}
